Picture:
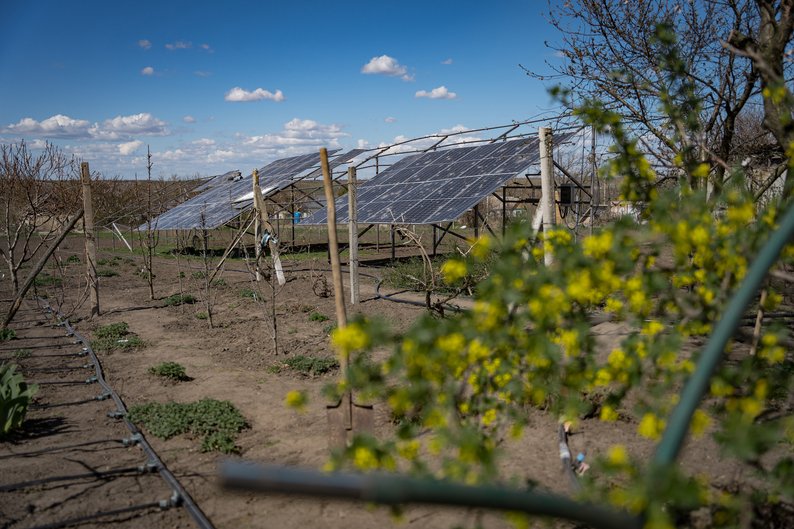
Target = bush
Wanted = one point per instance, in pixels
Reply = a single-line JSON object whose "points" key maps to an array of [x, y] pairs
{"points": [[171, 370], [15, 396], [316, 316], [202, 315], [7, 334], [218, 422], [179, 299], [73, 259], [115, 336], [312, 365]]}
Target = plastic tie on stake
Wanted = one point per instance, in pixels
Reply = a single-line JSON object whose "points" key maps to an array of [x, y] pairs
{"points": [[91, 380], [116, 414], [174, 501], [149, 467], [132, 440], [103, 396]]}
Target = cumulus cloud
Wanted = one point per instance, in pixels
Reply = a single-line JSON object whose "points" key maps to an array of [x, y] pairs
{"points": [[447, 61], [238, 94], [189, 119], [202, 73], [124, 126], [385, 65], [147, 71], [125, 149], [390, 119], [118, 128], [179, 45], [437, 93], [57, 126], [145, 44], [207, 48]]}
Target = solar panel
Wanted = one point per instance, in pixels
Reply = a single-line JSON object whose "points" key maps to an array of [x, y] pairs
{"points": [[438, 186], [226, 196]]}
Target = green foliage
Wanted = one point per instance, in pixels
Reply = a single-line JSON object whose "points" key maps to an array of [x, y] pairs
{"points": [[413, 274], [249, 293], [175, 300], [115, 336], [106, 272], [317, 316], [312, 365], [19, 354], [171, 370], [15, 396], [202, 315], [7, 333], [108, 262], [198, 275], [73, 259], [221, 282], [46, 280], [218, 422]]}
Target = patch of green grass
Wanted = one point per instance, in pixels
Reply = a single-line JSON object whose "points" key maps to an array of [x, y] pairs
{"points": [[217, 421], [312, 365], [46, 280], [317, 316], [181, 275], [7, 334], [107, 262], [179, 299], [249, 293], [19, 354], [105, 272], [328, 328], [219, 283], [170, 370], [73, 259], [198, 275], [201, 316], [115, 336]]}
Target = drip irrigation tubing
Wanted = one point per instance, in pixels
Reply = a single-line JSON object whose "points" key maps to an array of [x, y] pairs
{"points": [[71, 477], [61, 448], [180, 495], [102, 514]]}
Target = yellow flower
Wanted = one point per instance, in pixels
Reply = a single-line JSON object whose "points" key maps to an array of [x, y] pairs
{"points": [[364, 458], [452, 343], [617, 455], [608, 414], [651, 426], [296, 399], [349, 338], [481, 247], [652, 328], [597, 246], [700, 421], [453, 270], [489, 417]]}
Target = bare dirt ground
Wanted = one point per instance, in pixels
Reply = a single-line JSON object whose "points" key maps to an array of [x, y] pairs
{"points": [[234, 361]]}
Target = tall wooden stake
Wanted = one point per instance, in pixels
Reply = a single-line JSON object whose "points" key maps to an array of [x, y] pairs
{"points": [[353, 234], [90, 239], [547, 186]]}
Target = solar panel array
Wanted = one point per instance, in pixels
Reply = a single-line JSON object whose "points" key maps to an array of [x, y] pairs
{"points": [[225, 197], [437, 186]]}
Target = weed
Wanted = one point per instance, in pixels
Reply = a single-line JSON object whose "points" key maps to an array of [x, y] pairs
{"points": [[328, 328], [201, 316], [73, 259], [219, 282], [316, 316], [7, 334], [107, 262], [46, 280], [312, 365], [198, 275], [171, 370], [275, 369], [217, 421], [104, 272], [249, 293], [15, 396], [181, 275], [115, 336], [19, 354], [179, 299]]}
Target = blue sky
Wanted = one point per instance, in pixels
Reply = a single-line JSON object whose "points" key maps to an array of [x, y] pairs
{"points": [[216, 86]]}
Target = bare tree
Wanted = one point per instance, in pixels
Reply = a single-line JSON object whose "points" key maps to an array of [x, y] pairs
{"points": [[39, 192], [151, 238], [609, 53]]}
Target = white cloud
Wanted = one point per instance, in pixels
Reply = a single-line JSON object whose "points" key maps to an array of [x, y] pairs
{"points": [[385, 65], [390, 119], [447, 61], [145, 44], [362, 144], [57, 126], [147, 71], [237, 94], [437, 93], [125, 126], [125, 149], [202, 73], [207, 48], [203, 141], [179, 45], [189, 119]]}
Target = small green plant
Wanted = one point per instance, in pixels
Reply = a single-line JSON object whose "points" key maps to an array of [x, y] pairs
{"points": [[7, 334], [19, 354], [179, 299], [202, 315], [115, 336], [219, 282], [107, 262], [198, 275], [46, 280], [312, 365], [170, 370], [218, 421], [249, 293], [15, 396], [317, 316], [105, 272], [181, 275], [72, 259]]}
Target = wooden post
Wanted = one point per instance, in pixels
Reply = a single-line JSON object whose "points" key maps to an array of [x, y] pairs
{"points": [[90, 239], [547, 186], [353, 234]]}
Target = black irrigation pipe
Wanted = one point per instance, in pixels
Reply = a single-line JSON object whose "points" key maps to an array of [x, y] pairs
{"points": [[36, 347], [72, 477], [102, 514], [62, 448], [62, 404], [65, 369], [180, 495], [34, 357]]}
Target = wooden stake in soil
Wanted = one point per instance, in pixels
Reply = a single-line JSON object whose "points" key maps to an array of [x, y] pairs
{"points": [[272, 241], [353, 234], [547, 186], [346, 416], [90, 239]]}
